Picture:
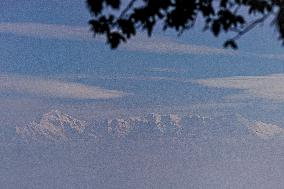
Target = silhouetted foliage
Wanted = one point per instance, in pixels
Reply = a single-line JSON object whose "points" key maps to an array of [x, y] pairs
{"points": [[119, 20]]}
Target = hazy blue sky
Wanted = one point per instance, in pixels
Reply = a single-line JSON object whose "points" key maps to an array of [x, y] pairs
{"points": [[45, 45], [49, 60]]}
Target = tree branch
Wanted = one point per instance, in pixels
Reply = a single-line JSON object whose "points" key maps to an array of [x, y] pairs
{"points": [[127, 8], [252, 25]]}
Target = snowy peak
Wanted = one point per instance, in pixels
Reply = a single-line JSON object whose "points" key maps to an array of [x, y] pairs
{"points": [[266, 130], [120, 127], [57, 118], [261, 129], [53, 125], [151, 123]]}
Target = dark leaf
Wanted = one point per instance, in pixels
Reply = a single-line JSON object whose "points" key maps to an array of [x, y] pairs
{"points": [[216, 27], [231, 43]]}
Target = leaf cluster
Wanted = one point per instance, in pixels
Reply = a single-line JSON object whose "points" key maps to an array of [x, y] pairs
{"points": [[119, 22]]}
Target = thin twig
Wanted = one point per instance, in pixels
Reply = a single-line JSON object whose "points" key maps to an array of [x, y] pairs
{"points": [[127, 8], [250, 27]]}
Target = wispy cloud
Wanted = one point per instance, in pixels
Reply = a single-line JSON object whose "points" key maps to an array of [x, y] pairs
{"points": [[47, 30], [169, 46], [167, 70], [271, 56], [147, 78], [139, 43], [54, 88], [268, 87]]}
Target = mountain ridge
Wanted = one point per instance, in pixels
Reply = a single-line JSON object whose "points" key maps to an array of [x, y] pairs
{"points": [[58, 126]]}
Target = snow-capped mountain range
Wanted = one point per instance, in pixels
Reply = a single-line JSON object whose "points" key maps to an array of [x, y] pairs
{"points": [[58, 126]]}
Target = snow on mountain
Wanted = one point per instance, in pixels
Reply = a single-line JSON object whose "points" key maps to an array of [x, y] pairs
{"points": [[261, 129], [54, 125], [121, 127], [266, 130], [151, 124]]}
